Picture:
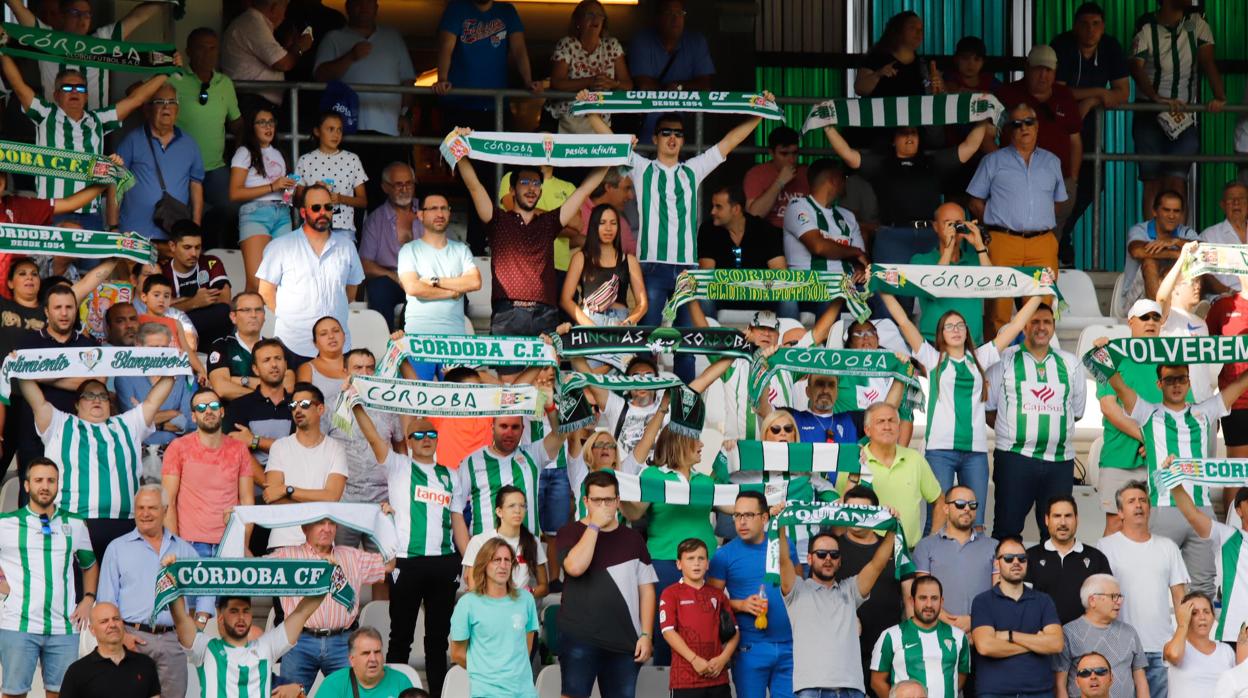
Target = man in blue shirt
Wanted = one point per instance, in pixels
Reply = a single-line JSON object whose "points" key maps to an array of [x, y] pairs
{"points": [[819, 424], [667, 57], [163, 159], [128, 580], [764, 660], [476, 38]]}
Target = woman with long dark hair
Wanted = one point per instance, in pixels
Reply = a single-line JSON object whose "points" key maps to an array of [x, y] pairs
{"points": [[604, 275], [893, 67], [258, 181]]}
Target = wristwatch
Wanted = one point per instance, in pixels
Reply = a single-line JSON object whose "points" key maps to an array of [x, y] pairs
{"points": [[434, 281], [245, 381], [290, 492], [255, 441]]}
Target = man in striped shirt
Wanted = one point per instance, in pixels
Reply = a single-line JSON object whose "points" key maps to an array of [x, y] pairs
{"points": [[923, 648], [41, 621], [67, 123], [667, 205], [428, 502], [1168, 53], [1037, 394], [505, 462]]}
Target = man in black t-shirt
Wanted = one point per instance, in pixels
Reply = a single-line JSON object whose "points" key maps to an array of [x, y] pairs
{"points": [[1059, 565], [734, 239], [201, 287]]}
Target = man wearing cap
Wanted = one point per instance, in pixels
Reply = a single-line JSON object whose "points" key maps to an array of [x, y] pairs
{"points": [[1058, 114]]}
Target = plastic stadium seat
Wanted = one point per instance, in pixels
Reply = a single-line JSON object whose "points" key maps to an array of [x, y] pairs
{"points": [[479, 306], [653, 681], [192, 682], [409, 672], [455, 685], [376, 615], [369, 330], [1092, 473], [550, 683], [1089, 334], [8, 495], [234, 267], [1080, 294], [316, 685], [1115, 305]]}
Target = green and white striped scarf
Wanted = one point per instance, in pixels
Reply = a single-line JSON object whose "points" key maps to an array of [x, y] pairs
{"points": [[82, 49], [1102, 362], [433, 399], [558, 150], [830, 514], [779, 457], [90, 362], [865, 363], [1202, 472], [763, 285], [592, 341], [652, 486], [1209, 258], [251, 576], [649, 102], [466, 350], [16, 238], [43, 161], [929, 281], [915, 110]]}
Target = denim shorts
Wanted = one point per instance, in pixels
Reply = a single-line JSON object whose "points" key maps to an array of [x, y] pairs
{"points": [[1151, 140], [22, 650], [554, 499], [269, 218]]}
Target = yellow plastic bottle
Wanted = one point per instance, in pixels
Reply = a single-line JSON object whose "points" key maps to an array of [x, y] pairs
{"points": [[760, 620]]}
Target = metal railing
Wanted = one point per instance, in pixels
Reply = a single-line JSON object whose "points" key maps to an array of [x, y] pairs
{"points": [[1098, 157]]}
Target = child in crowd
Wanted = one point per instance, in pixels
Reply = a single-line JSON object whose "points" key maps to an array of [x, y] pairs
{"points": [[258, 181], [340, 170], [157, 295], [689, 618]]}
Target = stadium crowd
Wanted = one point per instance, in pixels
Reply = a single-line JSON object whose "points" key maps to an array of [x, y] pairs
{"points": [[581, 539]]}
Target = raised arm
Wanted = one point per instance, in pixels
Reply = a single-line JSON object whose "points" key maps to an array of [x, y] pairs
{"points": [[13, 76], [873, 569], [77, 200], [381, 448], [823, 325], [788, 573], [852, 157], [970, 145], [138, 16], [21, 13], [742, 131], [92, 279], [480, 197], [1126, 395], [571, 207], [1166, 288], [1232, 392], [33, 395], [712, 373], [1005, 335], [298, 618], [183, 625], [144, 92], [909, 332], [159, 392]]}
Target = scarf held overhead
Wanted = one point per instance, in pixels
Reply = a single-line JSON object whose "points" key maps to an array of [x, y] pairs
{"points": [[764, 285], [653, 486], [864, 363], [589, 341], [42, 161], [434, 399], [823, 514], [559, 150], [16, 238], [90, 362], [917, 110], [1204, 472], [780, 457], [929, 281], [1208, 258], [80, 49], [466, 350], [365, 518], [647, 102], [252, 576], [1103, 362]]}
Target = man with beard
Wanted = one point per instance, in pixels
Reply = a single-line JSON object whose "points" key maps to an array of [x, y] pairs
{"points": [[1037, 394], [959, 555], [1015, 629], [230, 653], [204, 473], [823, 661], [387, 228], [112, 669], [262, 416], [821, 424], [128, 575], [231, 371], [522, 261], [1100, 630], [43, 621], [1060, 564], [123, 324], [505, 462], [922, 648], [309, 275]]}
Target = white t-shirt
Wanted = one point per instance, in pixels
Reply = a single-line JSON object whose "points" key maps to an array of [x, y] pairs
{"points": [[274, 167], [344, 169], [1233, 683], [1198, 673], [304, 467], [1145, 573], [521, 574], [804, 215], [635, 420]]}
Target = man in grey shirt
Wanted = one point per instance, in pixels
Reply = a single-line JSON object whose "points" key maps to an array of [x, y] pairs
{"points": [[825, 660], [1099, 630], [366, 479], [959, 556]]}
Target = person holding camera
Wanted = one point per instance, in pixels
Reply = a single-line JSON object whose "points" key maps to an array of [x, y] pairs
{"points": [[959, 242]]}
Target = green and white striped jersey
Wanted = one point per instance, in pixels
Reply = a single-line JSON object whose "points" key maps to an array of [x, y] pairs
{"points": [[55, 129], [97, 79], [955, 405], [484, 472], [536, 429], [99, 462], [741, 421], [1170, 55], [226, 671], [1232, 561], [932, 657], [1183, 434], [36, 564], [1037, 402], [833, 223], [423, 498], [667, 205]]}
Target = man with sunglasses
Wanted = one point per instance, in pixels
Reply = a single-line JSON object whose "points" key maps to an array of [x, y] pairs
{"points": [[922, 648], [1015, 630], [505, 462], [38, 543], [959, 556], [164, 160], [1016, 191], [1100, 630], [428, 501], [204, 474], [770, 186], [1093, 676]]}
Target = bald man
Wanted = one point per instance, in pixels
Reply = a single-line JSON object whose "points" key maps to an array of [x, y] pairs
{"points": [[959, 243], [111, 670]]}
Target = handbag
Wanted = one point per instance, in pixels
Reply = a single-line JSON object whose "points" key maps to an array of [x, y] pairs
{"points": [[168, 211], [727, 626]]}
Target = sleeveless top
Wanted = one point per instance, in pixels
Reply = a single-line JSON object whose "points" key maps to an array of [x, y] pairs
{"points": [[603, 287]]}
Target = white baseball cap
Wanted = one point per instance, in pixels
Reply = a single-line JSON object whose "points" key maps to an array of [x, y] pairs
{"points": [[766, 319], [1143, 307]]}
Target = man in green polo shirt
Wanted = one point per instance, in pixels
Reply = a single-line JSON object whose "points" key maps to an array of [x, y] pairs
{"points": [[959, 243], [899, 475], [367, 666]]}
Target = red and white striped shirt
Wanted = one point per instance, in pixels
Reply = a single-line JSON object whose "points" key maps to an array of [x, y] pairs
{"points": [[359, 566]]}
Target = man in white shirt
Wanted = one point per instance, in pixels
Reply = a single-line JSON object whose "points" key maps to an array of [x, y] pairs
{"points": [[306, 466], [1231, 231], [249, 51]]}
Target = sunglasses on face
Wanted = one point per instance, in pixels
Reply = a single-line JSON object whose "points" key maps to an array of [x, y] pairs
{"points": [[669, 132], [81, 89], [1019, 123], [1085, 673], [1151, 317], [301, 404], [826, 554], [778, 429], [203, 93], [205, 406], [963, 503], [317, 208], [1011, 558], [422, 435], [1174, 380]]}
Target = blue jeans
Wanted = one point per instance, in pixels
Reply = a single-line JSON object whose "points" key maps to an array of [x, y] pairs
{"points": [[205, 549], [580, 663], [668, 575], [830, 693], [971, 470], [759, 667], [22, 650], [383, 295], [1155, 673], [660, 282], [554, 499], [310, 654], [1023, 482]]}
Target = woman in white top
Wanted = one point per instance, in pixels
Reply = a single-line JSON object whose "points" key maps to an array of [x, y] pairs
{"points": [[1196, 661], [326, 370], [258, 181], [956, 440], [588, 58], [529, 571]]}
